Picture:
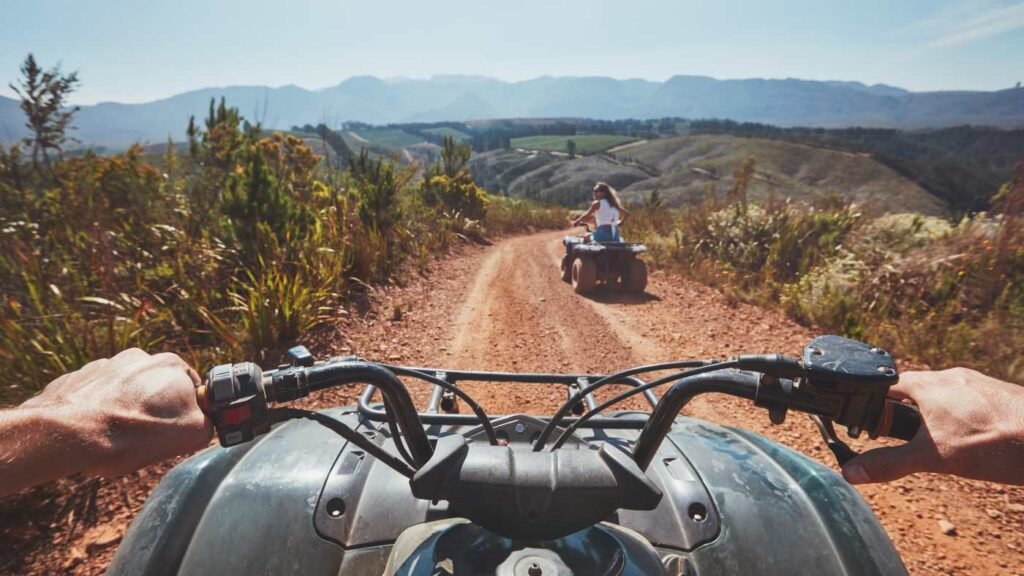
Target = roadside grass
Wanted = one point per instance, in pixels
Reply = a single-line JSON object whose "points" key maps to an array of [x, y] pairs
{"points": [[509, 215], [585, 143]]}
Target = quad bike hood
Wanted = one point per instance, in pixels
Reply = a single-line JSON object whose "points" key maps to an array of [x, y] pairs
{"points": [[302, 500]]}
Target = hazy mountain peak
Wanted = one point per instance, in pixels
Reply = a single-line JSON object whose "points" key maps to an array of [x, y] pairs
{"points": [[459, 97]]}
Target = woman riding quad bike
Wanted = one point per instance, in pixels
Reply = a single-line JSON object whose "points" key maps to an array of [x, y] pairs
{"points": [[601, 257], [379, 488], [607, 213]]}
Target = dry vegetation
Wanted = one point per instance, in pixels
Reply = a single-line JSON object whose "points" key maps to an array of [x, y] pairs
{"points": [[945, 293], [233, 250]]}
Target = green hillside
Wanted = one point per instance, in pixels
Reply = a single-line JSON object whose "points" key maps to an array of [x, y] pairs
{"points": [[389, 137], [357, 143], [446, 131], [585, 143]]}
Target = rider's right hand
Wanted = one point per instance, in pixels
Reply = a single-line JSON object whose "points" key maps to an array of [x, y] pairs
{"points": [[972, 426]]}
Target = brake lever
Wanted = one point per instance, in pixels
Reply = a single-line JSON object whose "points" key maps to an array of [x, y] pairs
{"points": [[840, 449]]}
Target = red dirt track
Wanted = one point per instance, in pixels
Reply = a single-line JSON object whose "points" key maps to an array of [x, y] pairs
{"points": [[505, 308]]}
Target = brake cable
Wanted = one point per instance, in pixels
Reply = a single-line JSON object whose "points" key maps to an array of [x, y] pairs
{"points": [[634, 391], [610, 379], [396, 435], [346, 432], [485, 421]]}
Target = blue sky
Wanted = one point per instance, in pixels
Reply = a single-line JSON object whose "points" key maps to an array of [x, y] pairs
{"points": [[144, 50]]}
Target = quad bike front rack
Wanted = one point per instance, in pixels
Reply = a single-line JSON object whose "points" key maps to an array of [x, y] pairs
{"points": [[441, 406]]}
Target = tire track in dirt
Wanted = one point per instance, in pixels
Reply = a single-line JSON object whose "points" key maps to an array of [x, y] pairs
{"points": [[515, 319]]}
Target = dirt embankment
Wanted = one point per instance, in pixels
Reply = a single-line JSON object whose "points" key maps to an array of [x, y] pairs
{"points": [[504, 308]]}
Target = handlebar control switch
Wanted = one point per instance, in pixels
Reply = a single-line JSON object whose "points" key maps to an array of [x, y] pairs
{"points": [[852, 378], [238, 403], [300, 356]]}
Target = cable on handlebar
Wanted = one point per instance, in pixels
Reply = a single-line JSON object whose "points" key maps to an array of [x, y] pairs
{"points": [[343, 430], [629, 393], [735, 382], [344, 371], [485, 421], [396, 434], [576, 398]]}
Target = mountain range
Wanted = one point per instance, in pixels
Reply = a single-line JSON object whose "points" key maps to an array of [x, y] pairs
{"points": [[786, 102]]}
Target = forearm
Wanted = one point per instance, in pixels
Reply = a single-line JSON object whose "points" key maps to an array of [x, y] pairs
{"points": [[588, 215], [39, 444]]}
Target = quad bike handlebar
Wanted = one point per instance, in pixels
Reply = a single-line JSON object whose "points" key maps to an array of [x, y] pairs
{"points": [[836, 381]]}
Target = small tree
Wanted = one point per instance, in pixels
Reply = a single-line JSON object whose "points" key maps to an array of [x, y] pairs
{"points": [[570, 147], [740, 183], [654, 200], [449, 185], [378, 185], [454, 157], [44, 95]]}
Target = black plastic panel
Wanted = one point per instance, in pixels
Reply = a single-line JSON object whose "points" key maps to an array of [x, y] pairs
{"points": [[300, 500]]}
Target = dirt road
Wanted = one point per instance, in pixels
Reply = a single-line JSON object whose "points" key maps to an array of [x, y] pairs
{"points": [[505, 308]]}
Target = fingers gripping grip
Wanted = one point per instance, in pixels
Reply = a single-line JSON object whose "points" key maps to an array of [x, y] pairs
{"points": [[900, 421]]}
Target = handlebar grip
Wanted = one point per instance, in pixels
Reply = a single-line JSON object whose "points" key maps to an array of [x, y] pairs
{"points": [[203, 400], [904, 422]]}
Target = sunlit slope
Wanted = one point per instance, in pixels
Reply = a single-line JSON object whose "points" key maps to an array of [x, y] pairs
{"points": [[687, 166], [549, 177], [686, 169]]}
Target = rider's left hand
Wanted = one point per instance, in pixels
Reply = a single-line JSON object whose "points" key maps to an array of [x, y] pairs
{"points": [[135, 408]]}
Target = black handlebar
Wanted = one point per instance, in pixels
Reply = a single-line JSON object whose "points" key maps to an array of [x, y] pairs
{"points": [[838, 380]]}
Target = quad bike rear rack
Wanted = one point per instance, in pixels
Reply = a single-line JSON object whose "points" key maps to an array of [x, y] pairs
{"points": [[441, 405]]}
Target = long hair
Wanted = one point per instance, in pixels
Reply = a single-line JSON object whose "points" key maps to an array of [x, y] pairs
{"points": [[610, 194]]}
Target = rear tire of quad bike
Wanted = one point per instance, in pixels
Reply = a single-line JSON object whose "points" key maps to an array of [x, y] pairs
{"points": [[635, 279], [584, 276], [566, 270]]}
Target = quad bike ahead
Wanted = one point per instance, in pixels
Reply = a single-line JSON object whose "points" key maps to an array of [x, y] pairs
{"points": [[379, 488], [587, 264]]}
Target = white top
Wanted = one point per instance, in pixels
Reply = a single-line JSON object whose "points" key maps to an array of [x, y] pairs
{"points": [[607, 215]]}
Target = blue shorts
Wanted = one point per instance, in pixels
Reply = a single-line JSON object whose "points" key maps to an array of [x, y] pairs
{"points": [[605, 234]]}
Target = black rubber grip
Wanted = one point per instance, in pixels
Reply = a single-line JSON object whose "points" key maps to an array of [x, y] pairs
{"points": [[906, 419]]}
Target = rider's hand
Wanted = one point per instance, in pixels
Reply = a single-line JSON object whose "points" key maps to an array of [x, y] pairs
{"points": [[971, 426], [133, 410]]}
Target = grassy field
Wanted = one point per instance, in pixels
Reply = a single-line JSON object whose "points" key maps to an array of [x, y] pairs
{"points": [[446, 131], [585, 143], [390, 137]]}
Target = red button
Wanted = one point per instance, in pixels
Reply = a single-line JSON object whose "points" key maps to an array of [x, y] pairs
{"points": [[236, 415]]}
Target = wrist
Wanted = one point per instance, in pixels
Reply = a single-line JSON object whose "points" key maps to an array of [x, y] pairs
{"points": [[40, 444], [81, 436], [89, 433]]}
